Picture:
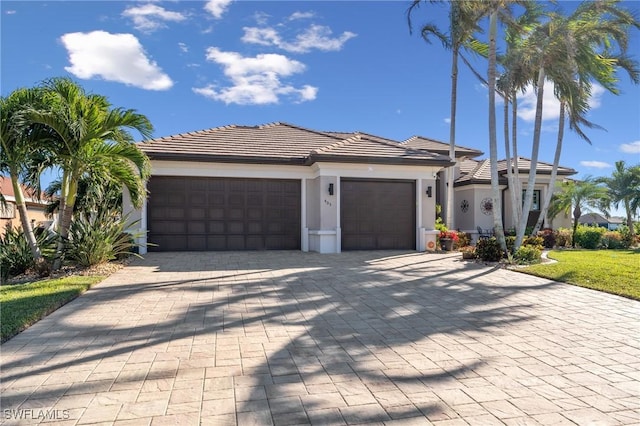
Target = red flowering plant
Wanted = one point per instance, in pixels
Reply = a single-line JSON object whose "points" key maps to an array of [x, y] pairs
{"points": [[452, 235]]}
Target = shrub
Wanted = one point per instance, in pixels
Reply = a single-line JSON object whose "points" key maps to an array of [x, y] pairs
{"points": [[468, 252], [488, 249], [15, 253], [528, 254], [98, 239], [511, 242], [588, 237], [563, 237], [16, 257], [612, 240], [533, 241], [464, 239], [548, 238], [626, 237]]}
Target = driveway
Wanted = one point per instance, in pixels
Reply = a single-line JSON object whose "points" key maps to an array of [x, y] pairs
{"points": [[296, 338]]}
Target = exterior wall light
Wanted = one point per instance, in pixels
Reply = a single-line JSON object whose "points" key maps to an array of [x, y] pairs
{"points": [[429, 191], [330, 189]]}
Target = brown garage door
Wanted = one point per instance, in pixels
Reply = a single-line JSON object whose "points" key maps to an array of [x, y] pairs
{"points": [[193, 213], [378, 214]]}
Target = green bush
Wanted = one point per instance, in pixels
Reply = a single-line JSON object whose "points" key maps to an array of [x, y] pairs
{"points": [[511, 242], [564, 237], [15, 253], [527, 255], [533, 241], [98, 239], [488, 249], [627, 240], [612, 240], [16, 257], [588, 237]]}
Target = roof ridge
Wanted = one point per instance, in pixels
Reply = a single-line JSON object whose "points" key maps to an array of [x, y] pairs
{"points": [[305, 129], [196, 132], [339, 143]]}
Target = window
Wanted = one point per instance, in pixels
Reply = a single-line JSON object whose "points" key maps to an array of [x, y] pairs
{"points": [[535, 204]]}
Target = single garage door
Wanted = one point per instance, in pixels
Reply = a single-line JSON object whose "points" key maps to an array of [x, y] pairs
{"points": [[378, 214], [194, 213]]}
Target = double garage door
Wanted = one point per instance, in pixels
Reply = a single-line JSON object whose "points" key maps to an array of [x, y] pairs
{"points": [[194, 213], [208, 214]]}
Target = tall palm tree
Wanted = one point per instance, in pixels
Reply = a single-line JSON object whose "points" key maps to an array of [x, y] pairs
{"points": [[586, 49], [92, 137], [623, 187], [463, 25], [580, 195], [17, 149], [497, 10]]}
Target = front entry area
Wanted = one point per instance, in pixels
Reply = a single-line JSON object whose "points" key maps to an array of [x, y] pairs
{"points": [[205, 213], [378, 214]]}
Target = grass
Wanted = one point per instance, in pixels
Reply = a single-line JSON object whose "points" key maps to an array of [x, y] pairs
{"points": [[21, 305], [612, 271]]}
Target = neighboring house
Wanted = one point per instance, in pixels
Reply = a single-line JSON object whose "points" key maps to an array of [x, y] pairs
{"points": [[9, 212], [281, 186], [595, 219]]}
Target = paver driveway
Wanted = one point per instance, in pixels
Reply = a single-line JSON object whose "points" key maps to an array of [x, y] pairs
{"points": [[295, 338]]}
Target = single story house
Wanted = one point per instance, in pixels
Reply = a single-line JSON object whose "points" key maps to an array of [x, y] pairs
{"points": [[9, 212], [595, 219], [281, 186]]}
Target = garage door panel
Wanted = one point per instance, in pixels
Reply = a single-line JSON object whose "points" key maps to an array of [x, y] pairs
{"points": [[377, 214], [223, 213]]}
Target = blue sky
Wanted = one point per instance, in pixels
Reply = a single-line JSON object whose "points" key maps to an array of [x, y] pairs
{"points": [[344, 66]]}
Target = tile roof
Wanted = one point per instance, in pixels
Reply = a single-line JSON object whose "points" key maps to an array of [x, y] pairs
{"points": [[420, 142], [480, 171], [284, 143]]}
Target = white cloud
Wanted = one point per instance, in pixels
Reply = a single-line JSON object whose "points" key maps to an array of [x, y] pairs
{"points": [[183, 47], [301, 15], [113, 57], [447, 120], [550, 105], [595, 164], [631, 148], [10, 12], [256, 80], [150, 17], [315, 37], [217, 7]]}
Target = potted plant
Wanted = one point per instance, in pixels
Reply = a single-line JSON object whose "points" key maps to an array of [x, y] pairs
{"points": [[448, 239]]}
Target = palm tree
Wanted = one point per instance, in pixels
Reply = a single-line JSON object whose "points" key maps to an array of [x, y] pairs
{"points": [[16, 151], [624, 188], [499, 9], [92, 138], [579, 195], [463, 24], [585, 47]]}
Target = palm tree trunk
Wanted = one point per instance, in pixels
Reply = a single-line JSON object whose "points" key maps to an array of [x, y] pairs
{"points": [[450, 219], [517, 188], [577, 212], [554, 172], [528, 199], [627, 208], [67, 200], [493, 142], [510, 180], [24, 218]]}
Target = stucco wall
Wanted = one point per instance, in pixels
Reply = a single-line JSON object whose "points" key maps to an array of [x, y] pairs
{"points": [[465, 220]]}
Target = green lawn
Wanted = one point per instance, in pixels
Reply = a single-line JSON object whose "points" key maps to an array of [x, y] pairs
{"points": [[613, 271], [24, 304]]}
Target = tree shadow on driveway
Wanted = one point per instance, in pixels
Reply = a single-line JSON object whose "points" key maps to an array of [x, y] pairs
{"points": [[358, 337]]}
